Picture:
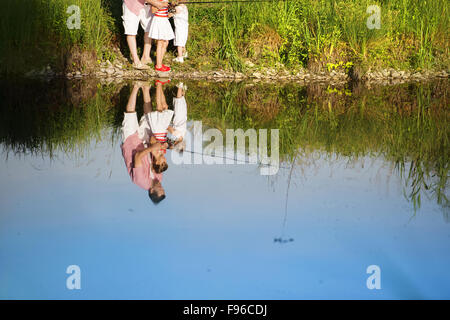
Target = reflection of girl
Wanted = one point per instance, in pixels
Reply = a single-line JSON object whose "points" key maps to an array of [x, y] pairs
{"points": [[161, 31], [160, 119]]}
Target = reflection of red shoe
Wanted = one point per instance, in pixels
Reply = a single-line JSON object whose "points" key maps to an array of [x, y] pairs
{"points": [[163, 82], [163, 68]]}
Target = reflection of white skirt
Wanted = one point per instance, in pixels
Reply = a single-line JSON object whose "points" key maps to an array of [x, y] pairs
{"points": [[160, 29], [159, 121]]}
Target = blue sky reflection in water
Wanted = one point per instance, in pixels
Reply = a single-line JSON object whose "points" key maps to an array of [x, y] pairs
{"points": [[213, 236]]}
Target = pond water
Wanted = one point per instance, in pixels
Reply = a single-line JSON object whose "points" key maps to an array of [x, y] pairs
{"points": [[361, 181]]}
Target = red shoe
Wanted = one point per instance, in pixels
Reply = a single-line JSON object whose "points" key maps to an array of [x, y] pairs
{"points": [[163, 82], [163, 68]]}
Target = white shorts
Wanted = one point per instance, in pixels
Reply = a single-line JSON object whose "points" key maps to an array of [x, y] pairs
{"points": [[131, 21], [181, 33], [180, 117], [160, 29], [130, 126]]}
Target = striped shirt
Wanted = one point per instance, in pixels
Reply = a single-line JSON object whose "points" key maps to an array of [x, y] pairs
{"points": [[162, 13], [161, 137]]}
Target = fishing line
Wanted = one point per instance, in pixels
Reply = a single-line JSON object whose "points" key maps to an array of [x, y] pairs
{"points": [[235, 159]]}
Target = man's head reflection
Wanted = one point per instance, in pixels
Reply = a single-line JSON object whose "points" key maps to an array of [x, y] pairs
{"points": [[145, 141]]}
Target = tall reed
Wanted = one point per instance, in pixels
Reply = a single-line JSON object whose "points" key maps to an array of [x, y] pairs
{"points": [[35, 32]]}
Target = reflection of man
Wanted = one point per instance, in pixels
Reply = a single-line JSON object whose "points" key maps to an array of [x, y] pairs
{"points": [[140, 150]]}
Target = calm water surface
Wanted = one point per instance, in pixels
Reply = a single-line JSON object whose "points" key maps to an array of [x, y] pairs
{"points": [[362, 181]]}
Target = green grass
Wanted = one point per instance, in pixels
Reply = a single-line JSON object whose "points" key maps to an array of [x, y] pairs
{"points": [[302, 33], [406, 125], [34, 33], [294, 33]]}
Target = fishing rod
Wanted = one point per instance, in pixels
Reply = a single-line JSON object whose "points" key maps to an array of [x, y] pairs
{"points": [[174, 3], [224, 1]]}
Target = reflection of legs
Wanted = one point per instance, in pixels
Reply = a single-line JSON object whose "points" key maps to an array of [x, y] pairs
{"points": [[147, 99], [161, 103], [180, 92], [130, 124], [131, 105]]}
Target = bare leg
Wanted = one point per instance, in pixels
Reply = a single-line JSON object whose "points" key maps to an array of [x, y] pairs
{"points": [[180, 51], [131, 40], [166, 43], [147, 49], [147, 99], [131, 105], [159, 53], [161, 103], [159, 97], [180, 92]]}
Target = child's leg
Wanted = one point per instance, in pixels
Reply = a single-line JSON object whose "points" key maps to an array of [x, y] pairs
{"points": [[147, 49], [166, 44], [180, 51], [180, 92], [131, 40], [159, 53]]}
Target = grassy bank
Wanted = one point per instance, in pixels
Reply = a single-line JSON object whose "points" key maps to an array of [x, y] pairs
{"points": [[34, 33], [314, 34], [324, 34]]}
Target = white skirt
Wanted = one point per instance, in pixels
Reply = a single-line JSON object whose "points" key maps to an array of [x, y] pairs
{"points": [[160, 29]]}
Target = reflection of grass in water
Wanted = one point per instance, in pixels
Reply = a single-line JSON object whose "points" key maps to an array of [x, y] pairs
{"points": [[407, 124], [40, 118], [404, 124]]}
